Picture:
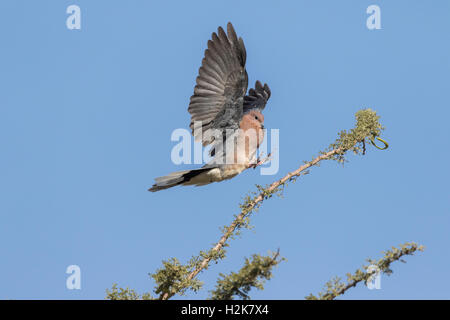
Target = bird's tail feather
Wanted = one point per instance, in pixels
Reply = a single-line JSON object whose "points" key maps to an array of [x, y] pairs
{"points": [[175, 179]]}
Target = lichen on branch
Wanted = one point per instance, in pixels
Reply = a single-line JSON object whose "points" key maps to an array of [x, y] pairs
{"points": [[336, 287], [251, 275]]}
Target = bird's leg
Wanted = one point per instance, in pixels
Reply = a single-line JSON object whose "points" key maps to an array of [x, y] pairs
{"points": [[259, 161]]}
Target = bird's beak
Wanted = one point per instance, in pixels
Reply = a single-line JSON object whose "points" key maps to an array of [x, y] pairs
{"points": [[262, 126]]}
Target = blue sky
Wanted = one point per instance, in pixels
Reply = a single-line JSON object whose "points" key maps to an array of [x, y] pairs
{"points": [[85, 123]]}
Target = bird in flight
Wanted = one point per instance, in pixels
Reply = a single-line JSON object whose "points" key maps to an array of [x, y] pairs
{"points": [[223, 114]]}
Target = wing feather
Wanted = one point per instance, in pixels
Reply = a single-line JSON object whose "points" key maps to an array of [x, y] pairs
{"points": [[221, 84], [257, 97]]}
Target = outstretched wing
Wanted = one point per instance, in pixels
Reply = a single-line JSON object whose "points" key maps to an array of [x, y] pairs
{"points": [[222, 82], [257, 98]]}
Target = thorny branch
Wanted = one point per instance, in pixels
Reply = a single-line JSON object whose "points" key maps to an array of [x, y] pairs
{"points": [[238, 221], [175, 278]]}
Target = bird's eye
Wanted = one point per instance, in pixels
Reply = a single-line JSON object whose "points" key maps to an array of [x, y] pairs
{"points": [[256, 117]]}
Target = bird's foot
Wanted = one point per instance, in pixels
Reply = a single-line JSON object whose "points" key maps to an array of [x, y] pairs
{"points": [[259, 161]]}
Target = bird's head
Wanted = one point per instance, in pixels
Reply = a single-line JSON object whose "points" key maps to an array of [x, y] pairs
{"points": [[253, 119]]}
